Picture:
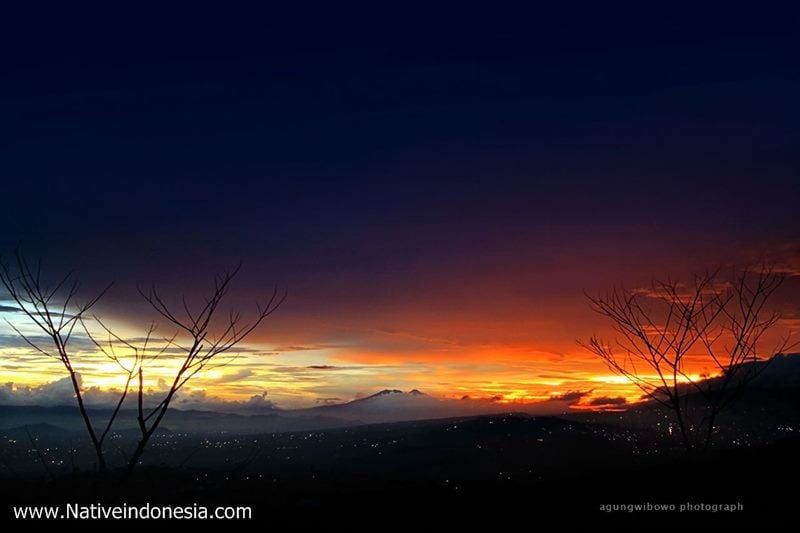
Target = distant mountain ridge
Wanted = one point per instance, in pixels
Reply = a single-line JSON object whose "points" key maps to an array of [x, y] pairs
{"points": [[782, 376], [385, 393], [67, 418]]}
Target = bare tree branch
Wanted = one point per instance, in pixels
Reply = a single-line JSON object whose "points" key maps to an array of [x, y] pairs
{"points": [[208, 339], [664, 325], [52, 310]]}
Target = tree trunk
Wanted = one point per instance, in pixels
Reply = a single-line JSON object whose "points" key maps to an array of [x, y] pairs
{"points": [[710, 432], [147, 433], [137, 454], [687, 442], [98, 447]]}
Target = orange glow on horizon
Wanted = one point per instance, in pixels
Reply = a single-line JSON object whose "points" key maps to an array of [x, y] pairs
{"points": [[520, 377], [515, 357]]}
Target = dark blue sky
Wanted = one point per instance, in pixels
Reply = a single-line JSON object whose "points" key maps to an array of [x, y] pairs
{"points": [[383, 156]]}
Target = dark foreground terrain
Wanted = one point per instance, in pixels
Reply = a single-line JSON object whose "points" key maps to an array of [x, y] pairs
{"points": [[495, 471]]}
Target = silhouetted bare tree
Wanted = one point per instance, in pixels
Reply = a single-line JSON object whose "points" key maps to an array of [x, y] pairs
{"points": [[708, 323], [54, 310], [200, 340], [202, 335]]}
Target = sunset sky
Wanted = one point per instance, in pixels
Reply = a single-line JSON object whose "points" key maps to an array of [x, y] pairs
{"points": [[436, 190]]}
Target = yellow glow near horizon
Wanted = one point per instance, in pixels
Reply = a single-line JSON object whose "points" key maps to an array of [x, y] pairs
{"points": [[301, 378], [649, 378]]}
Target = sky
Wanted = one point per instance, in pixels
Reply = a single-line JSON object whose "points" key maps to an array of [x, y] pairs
{"points": [[436, 189]]}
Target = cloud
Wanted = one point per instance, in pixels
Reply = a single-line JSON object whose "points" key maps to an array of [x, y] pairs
{"points": [[306, 348], [783, 257], [570, 397], [9, 309], [58, 392], [44, 342], [328, 401], [322, 367], [291, 348], [200, 400], [684, 292], [792, 270], [236, 376], [608, 400]]}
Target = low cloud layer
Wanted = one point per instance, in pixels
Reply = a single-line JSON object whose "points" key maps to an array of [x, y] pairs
{"points": [[601, 401], [570, 397], [61, 392]]}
